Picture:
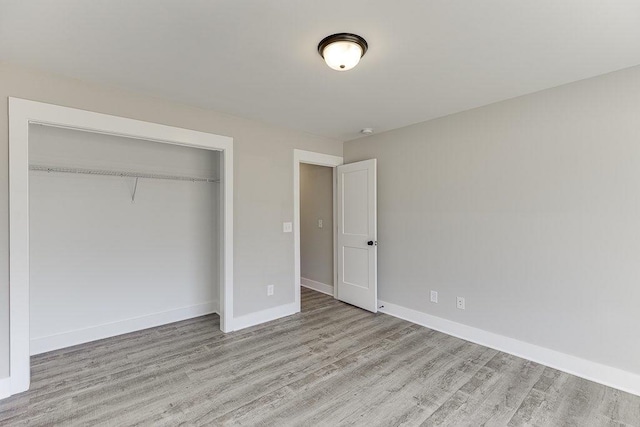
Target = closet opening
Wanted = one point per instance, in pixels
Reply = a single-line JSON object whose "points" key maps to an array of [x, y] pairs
{"points": [[124, 235], [129, 224]]}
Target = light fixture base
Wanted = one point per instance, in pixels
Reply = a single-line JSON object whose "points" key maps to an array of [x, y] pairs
{"points": [[343, 37], [342, 51]]}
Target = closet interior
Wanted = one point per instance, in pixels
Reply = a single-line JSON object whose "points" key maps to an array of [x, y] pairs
{"points": [[124, 235]]}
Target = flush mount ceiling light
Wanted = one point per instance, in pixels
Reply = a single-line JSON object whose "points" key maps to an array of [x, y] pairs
{"points": [[342, 51]]}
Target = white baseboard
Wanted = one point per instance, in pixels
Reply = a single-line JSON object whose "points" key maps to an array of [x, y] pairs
{"points": [[68, 339], [593, 371], [5, 388], [317, 286], [263, 316]]}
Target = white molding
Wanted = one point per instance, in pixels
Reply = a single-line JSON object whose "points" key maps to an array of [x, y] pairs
{"points": [[226, 241], [316, 286], [22, 113], [593, 371], [309, 157], [94, 333], [263, 316], [5, 388]]}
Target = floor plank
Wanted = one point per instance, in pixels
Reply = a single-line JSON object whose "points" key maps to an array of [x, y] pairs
{"points": [[332, 364]]}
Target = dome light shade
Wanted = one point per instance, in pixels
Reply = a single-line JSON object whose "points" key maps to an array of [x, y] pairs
{"points": [[342, 51]]}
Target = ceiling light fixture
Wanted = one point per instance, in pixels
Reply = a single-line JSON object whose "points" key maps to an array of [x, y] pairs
{"points": [[342, 51]]}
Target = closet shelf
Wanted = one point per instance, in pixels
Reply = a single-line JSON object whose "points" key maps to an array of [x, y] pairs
{"points": [[123, 174]]}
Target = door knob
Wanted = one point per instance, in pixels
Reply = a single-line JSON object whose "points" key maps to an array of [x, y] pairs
{"points": [[370, 243]]}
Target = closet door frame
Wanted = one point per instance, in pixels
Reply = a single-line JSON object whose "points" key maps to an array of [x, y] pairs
{"points": [[22, 113]]}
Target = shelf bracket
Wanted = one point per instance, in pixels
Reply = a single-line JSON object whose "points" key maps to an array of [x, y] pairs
{"points": [[135, 188]]}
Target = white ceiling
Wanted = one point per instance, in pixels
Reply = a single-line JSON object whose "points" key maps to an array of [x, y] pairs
{"points": [[258, 59]]}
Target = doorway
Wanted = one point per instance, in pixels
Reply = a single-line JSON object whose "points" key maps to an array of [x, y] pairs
{"points": [[302, 159], [355, 244], [316, 228]]}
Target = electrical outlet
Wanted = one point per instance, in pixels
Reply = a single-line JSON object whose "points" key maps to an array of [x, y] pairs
{"points": [[319, 223], [460, 303], [269, 290], [434, 296], [287, 227]]}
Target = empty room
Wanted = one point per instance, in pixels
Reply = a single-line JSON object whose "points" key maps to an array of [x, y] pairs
{"points": [[302, 213]]}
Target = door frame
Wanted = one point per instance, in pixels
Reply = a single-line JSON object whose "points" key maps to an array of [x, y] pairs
{"points": [[22, 113], [319, 159]]}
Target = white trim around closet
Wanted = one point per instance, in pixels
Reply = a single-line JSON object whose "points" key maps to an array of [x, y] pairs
{"points": [[22, 113]]}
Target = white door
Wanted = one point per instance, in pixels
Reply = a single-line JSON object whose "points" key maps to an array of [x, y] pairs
{"points": [[357, 234]]}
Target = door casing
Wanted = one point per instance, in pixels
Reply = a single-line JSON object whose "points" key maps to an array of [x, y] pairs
{"points": [[22, 113], [312, 158]]}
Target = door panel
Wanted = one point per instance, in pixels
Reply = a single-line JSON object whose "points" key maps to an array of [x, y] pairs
{"points": [[356, 219], [356, 266], [357, 234]]}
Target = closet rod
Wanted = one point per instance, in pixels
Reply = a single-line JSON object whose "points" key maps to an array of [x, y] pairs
{"points": [[118, 173]]}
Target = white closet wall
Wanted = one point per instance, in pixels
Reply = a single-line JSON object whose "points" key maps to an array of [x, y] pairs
{"points": [[101, 264]]}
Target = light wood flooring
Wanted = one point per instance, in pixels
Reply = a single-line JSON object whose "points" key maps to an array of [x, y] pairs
{"points": [[330, 365]]}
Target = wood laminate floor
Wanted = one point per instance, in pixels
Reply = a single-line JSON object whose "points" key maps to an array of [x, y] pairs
{"points": [[330, 365]]}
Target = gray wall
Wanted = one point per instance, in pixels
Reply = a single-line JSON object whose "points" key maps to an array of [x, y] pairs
{"points": [[97, 258], [529, 208], [316, 244], [263, 179]]}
